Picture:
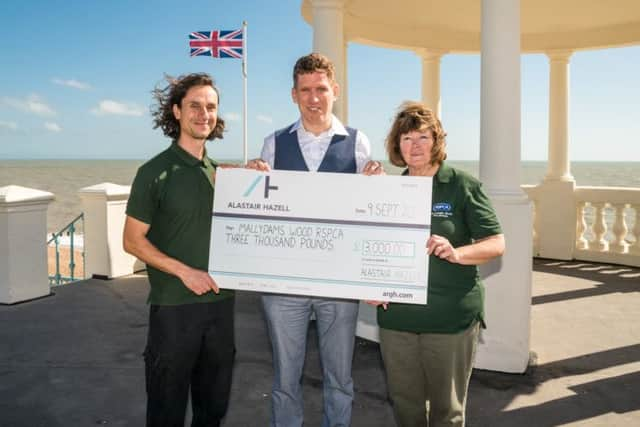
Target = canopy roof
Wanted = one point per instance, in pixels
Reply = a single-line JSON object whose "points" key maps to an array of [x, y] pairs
{"points": [[454, 25]]}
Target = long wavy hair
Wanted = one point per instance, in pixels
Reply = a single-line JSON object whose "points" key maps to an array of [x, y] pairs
{"points": [[172, 94]]}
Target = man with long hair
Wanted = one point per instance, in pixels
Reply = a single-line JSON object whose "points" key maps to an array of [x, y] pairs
{"points": [[190, 345]]}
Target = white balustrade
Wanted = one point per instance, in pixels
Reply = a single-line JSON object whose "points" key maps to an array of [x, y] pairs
{"points": [[532, 192], [536, 235], [619, 229], [634, 249], [581, 227], [607, 223], [600, 228], [608, 230]]}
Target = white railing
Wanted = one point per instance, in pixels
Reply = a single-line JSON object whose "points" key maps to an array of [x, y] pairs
{"points": [[607, 224]]}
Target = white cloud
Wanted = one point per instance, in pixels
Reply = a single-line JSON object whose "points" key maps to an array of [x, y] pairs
{"points": [[232, 117], [32, 104], [8, 125], [52, 127], [264, 118], [72, 83], [108, 106]]}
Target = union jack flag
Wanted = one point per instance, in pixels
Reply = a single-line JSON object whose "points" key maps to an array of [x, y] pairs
{"points": [[218, 44]]}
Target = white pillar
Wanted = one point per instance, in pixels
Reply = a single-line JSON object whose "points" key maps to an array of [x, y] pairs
{"points": [[23, 244], [431, 79], [344, 86], [104, 208], [500, 97], [556, 206], [508, 280], [329, 40], [558, 168]]}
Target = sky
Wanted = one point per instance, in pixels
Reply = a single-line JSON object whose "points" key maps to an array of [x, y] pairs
{"points": [[76, 80]]}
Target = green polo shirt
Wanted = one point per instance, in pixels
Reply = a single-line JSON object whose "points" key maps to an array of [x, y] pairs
{"points": [[462, 213], [173, 193]]}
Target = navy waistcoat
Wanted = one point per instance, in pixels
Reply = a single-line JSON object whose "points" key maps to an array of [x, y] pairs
{"points": [[340, 155]]}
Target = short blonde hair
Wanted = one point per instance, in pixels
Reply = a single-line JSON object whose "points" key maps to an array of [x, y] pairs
{"points": [[415, 116]]}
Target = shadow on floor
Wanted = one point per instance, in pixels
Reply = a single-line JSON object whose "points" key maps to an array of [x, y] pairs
{"points": [[74, 359], [608, 279]]}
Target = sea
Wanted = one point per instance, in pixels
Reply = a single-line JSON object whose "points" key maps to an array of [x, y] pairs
{"points": [[64, 178]]}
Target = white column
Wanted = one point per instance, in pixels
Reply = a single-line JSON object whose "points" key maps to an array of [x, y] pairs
{"points": [[104, 208], [431, 79], [558, 167], [328, 39], [557, 231], [23, 244], [500, 97], [507, 280], [343, 99]]}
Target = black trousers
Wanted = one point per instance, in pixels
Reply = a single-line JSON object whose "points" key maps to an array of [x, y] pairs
{"points": [[189, 345]]}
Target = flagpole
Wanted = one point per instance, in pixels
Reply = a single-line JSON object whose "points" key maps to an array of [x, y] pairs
{"points": [[244, 90]]}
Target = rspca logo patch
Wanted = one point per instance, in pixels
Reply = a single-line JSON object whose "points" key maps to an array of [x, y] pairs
{"points": [[442, 207], [442, 210]]}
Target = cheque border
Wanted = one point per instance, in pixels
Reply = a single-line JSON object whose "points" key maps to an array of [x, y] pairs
{"points": [[323, 221], [317, 280]]}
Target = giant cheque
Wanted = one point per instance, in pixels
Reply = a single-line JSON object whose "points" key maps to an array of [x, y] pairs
{"points": [[321, 234]]}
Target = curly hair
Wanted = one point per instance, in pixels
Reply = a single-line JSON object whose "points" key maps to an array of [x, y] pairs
{"points": [[415, 116], [172, 94], [310, 64]]}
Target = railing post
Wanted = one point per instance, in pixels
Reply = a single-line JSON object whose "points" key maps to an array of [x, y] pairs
{"points": [[581, 226], [600, 228], [72, 264], [23, 254], [619, 230], [104, 216], [84, 258], [57, 276]]}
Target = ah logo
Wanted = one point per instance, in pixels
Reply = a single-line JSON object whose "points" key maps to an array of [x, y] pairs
{"points": [[267, 186], [442, 207]]}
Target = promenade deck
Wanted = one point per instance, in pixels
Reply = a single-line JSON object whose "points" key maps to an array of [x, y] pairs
{"points": [[74, 358]]}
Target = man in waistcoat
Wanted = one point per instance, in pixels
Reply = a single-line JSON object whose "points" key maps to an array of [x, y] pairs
{"points": [[316, 142]]}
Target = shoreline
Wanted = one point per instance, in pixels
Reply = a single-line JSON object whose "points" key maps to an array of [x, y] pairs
{"points": [[64, 178]]}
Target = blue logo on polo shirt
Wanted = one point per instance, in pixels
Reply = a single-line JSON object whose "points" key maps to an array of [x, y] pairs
{"points": [[442, 210], [442, 207]]}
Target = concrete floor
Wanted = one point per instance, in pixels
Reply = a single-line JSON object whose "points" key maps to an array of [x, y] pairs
{"points": [[74, 358]]}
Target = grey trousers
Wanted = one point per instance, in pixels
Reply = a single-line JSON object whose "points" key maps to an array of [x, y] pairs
{"points": [[428, 375]]}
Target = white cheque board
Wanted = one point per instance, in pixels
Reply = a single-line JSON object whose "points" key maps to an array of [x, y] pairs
{"points": [[321, 234]]}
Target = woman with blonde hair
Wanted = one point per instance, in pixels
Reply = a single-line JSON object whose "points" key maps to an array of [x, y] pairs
{"points": [[428, 350]]}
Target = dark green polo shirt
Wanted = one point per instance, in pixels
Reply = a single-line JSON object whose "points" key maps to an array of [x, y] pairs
{"points": [[462, 213], [173, 193]]}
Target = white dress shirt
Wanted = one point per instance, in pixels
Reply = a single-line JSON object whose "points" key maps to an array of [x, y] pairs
{"points": [[314, 147]]}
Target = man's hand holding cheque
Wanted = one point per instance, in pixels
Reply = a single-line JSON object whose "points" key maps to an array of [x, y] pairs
{"points": [[259, 165]]}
